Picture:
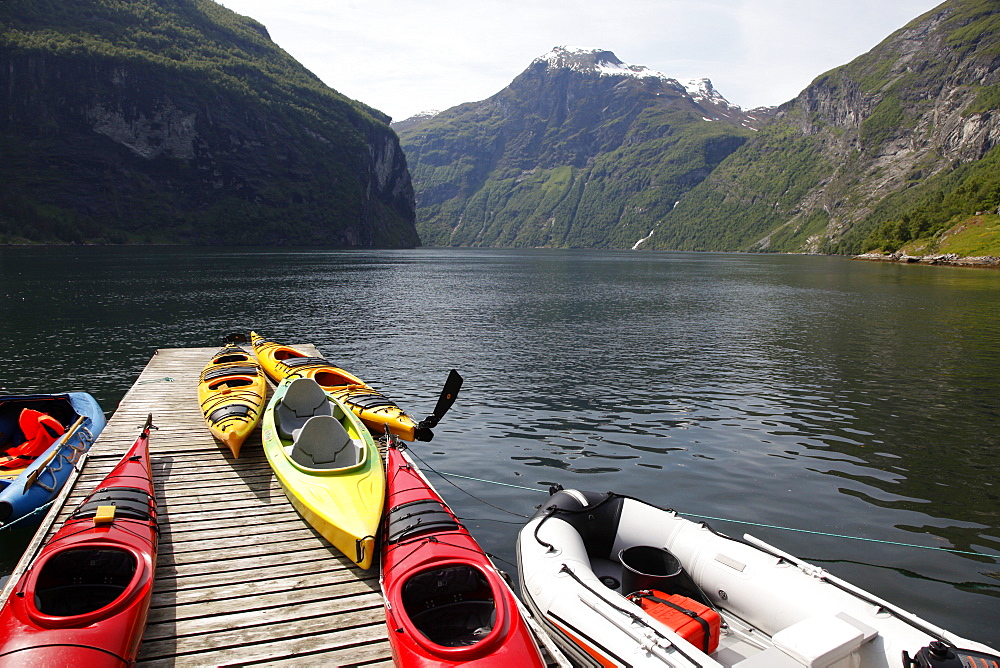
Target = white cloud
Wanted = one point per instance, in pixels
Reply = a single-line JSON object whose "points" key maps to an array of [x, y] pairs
{"points": [[406, 57]]}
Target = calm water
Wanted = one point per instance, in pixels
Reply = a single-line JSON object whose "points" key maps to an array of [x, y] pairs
{"points": [[803, 392]]}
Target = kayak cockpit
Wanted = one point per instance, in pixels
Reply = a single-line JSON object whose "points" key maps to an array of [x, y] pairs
{"points": [[231, 356], [451, 606], [230, 383], [282, 354], [79, 581], [303, 399], [314, 424], [333, 380]]}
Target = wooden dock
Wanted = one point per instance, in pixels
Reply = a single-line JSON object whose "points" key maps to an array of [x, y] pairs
{"points": [[241, 579]]}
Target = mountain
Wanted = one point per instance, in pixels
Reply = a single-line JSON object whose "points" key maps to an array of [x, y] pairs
{"points": [[580, 150], [898, 144], [179, 121]]}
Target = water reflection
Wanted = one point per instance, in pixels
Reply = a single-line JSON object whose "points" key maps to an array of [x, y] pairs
{"points": [[791, 391]]}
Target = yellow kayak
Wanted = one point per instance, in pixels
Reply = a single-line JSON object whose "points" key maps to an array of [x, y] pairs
{"points": [[232, 390], [375, 409], [327, 464]]}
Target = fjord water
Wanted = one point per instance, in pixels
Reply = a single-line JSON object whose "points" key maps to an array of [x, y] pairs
{"points": [[811, 393]]}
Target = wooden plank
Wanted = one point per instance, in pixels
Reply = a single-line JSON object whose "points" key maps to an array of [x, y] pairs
{"points": [[274, 577], [224, 527], [202, 616], [305, 552], [323, 642]]}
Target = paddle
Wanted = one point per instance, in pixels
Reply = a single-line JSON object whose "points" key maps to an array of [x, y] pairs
{"points": [[237, 337], [54, 450], [448, 395]]}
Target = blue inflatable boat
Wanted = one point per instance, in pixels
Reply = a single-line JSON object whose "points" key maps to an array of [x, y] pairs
{"points": [[26, 423]]}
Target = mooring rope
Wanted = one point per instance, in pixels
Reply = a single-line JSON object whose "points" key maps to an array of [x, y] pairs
{"points": [[36, 511], [165, 379], [766, 526]]}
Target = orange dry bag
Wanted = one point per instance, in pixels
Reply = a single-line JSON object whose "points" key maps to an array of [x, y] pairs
{"points": [[696, 623]]}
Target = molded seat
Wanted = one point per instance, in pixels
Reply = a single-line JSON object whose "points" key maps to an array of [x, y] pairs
{"points": [[323, 443], [822, 641], [303, 399]]}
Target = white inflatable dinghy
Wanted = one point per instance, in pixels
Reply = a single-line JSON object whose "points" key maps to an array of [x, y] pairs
{"points": [[705, 599]]}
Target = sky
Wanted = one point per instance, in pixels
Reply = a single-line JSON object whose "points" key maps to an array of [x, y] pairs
{"points": [[404, 57]]}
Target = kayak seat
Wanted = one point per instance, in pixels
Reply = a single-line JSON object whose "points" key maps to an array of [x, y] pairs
{"points": [[303, 399], [459, 624], [323, 443]]}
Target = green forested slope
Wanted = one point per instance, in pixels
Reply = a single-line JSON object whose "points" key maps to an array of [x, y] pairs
{"points": [[896, 143], [565, 157], [180, 121], [923, 214]]}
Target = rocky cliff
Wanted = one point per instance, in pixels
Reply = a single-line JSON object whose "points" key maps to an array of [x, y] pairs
{"points": [[864, 144], [580, 150], [178, 121]]}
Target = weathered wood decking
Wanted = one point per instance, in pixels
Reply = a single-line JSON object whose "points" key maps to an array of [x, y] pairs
{"points": [[241, 579]]}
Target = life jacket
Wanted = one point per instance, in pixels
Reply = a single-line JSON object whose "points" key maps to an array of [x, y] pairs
{"points": [[40, 431]]}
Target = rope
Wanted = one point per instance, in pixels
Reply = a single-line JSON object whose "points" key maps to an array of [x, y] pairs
{"points": [[758, 524], [431, 468], [165, 379], [838, 535], [39, 509], [492, 482]]}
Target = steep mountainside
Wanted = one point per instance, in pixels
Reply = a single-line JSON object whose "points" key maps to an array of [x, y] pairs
{"points": [[180, 121], [889, 144], [580, 150]]}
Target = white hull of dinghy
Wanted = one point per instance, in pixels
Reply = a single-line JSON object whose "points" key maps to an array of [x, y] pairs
{"points": [[778, 611]]}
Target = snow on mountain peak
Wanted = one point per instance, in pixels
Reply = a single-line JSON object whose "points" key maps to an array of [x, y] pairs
{"points": [[602, 61], [606, 63], [702, 90]]}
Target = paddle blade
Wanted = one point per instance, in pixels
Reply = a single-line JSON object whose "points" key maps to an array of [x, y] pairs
{"points": [[445, 401], [448, 394]]}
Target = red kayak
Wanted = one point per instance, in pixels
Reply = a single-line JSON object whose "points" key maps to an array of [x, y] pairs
{"points": [[445, 601], [85, 598]]}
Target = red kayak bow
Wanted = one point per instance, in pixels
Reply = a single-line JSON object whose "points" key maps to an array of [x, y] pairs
{"points": [[85, 598], [445, 601]]}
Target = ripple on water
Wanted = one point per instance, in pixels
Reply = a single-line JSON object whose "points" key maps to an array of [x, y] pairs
{"points": [[803, 392]]}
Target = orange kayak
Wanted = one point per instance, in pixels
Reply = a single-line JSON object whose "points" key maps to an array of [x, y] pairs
{"points": [[377, 411]]}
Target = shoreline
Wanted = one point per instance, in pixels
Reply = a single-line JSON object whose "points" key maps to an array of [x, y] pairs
{"points": [[945, 259]]}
